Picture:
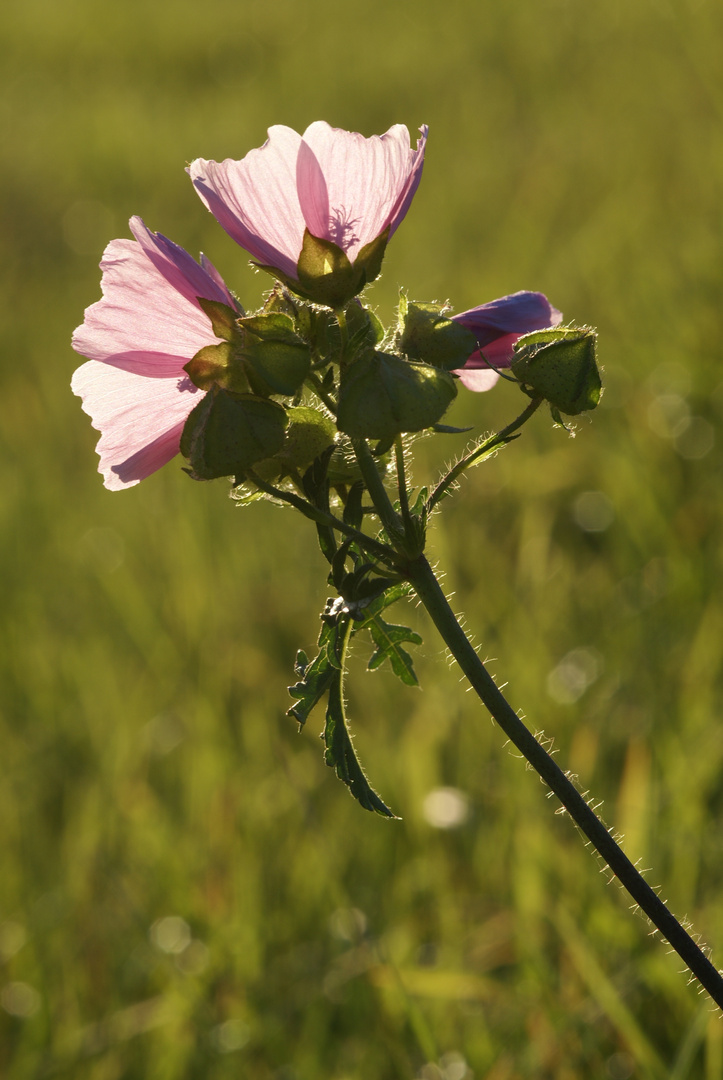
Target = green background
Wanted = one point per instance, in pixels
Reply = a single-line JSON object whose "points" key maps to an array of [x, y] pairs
{"points": [[185, 889]]}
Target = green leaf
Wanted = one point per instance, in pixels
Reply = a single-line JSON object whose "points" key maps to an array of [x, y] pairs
{"points": [[446, 429], [226, 434], [353, 514], [316, 678], [315, 483], [381, 395], [341, 756], [388, 639], [426, 334]]}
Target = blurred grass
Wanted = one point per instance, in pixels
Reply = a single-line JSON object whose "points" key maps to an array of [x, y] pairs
{"points": [[148, 771]]}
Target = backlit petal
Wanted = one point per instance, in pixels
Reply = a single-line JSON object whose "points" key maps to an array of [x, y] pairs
{"points": [[140, 419], [255, 199]]}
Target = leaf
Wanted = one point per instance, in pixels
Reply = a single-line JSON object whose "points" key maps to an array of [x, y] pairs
{"points": [[315, 483], [317, 676], [388, 638], [316, 679], [353, 513], [341, 756], [447, 429]]}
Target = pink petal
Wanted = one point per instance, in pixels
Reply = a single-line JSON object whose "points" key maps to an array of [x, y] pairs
{"points": [[141, 419], [497, 325], [255, 199], [415, 175], [366, 184], [477, 379], [149, 319], [313, 194]]}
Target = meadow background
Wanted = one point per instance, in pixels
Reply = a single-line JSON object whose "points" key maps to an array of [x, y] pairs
{"points": [[186, 891]]}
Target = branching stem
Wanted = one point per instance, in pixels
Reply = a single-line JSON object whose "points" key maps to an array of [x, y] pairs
{"points": [[480, 451], [374, 547], [375, 486]]}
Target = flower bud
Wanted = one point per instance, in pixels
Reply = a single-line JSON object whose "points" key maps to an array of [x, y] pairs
{"points": [[261, 354], [560, 366], [425, 333], [226, 434], [382, 395]]}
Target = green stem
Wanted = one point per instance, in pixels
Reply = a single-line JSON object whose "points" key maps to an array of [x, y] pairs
{"points": [[343, 331], [375, 486], [480, 451], [315, 382], [420, 574], [402, 480], [374, 547]]}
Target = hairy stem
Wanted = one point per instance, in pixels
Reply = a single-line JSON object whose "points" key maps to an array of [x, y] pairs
{"points": [[315, 382], [375, 486], [481, 451], [374, 547], [423, 579]]}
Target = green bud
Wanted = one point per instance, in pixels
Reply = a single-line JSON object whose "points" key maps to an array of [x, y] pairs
{"points": [[425, 333], [382, 395], [263, 355], [308, 435], [560, 365], [343, 469], [364, 329], [226, 434], [275, 359]]}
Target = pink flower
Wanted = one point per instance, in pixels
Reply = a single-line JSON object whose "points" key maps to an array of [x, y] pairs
{"points": [[497, 326], [138, 337], [337, 184]]}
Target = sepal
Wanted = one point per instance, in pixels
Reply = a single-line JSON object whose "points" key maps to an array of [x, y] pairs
{"points": [[263, 355], [223, 318], [213, 365], [326, 276]]}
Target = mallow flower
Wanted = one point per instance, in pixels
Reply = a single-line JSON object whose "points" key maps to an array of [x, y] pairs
{"points": [[338, 186], [497, 326], [138, 337]]}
